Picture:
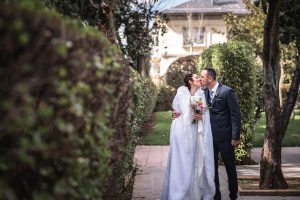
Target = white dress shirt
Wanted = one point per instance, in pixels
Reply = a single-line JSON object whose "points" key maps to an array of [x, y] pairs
{"points": [[214, 89]]}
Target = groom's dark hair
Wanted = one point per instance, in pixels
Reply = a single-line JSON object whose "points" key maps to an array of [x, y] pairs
{"points": [[211, 72]]}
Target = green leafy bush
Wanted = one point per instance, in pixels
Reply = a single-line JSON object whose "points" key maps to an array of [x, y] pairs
{"points": [[165, 98], [179, 68], [63, 109], [142, 97], [143, 94], [234, 63], [174, 78], [259, 101]]}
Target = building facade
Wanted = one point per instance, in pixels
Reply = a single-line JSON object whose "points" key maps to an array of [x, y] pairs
{"points": [[192, 27]]}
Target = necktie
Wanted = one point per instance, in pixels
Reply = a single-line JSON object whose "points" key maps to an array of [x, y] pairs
{"points": [[211, 93]]}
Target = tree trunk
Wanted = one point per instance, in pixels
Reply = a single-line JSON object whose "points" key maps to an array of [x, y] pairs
{"points": [[107, 7], [271, 175], [143, 64], [281, 79]]}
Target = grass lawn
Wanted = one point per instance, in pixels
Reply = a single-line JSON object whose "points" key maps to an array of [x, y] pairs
{"points": [[161, 131]]}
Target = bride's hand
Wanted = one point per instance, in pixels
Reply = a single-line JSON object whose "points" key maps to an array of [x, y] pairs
{"points": [[197, 117]]}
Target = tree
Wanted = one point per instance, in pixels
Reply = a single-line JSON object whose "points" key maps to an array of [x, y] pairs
{"points": [[137, 22], [250, 28], [94, 13], [130, 24], [108, 26], [277, 117], [290, 33]]}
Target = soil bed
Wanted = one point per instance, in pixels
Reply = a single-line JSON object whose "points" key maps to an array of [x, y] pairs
{"points": [[249, 186]]}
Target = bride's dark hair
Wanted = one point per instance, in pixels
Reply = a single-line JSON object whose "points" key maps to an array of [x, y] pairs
{"points": [[187, 79]]}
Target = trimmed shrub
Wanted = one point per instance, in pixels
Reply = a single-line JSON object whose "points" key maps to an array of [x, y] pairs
{"points": [[63, 107], [259, 100], [179, 68], [174, 79], [234, 63], [165, 98], [143, 95]]}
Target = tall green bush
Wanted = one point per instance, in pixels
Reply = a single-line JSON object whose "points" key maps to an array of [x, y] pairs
{"points": [[63, 109], [143, 95], [179, 68], [174, 78], [234, 63], [142, 99], [165, 98]]}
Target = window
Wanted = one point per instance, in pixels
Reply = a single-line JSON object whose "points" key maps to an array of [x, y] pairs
{"points": [[193, 35], [156, 41]]}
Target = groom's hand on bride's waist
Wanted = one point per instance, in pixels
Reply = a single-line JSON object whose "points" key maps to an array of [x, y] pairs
{"points": [[175, 115], [235, 143]]}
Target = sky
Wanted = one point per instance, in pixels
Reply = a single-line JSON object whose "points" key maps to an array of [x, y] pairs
{"points": [[165, 4]]}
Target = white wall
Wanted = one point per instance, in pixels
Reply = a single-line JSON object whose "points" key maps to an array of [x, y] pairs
{"points": [[171, 44]]}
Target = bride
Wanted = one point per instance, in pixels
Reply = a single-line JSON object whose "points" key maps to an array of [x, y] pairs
{"points": [[190, 170]]}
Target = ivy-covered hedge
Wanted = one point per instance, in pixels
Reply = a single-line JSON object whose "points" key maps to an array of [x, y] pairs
{"points": [[142, 99], [63, 108], [234, 63], [143, 95]]}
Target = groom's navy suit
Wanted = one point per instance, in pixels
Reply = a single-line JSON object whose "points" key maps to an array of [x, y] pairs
{"points": [[225, 120]]}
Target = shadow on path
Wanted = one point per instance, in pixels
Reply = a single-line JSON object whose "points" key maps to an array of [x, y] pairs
{"points": [[152, 161]]}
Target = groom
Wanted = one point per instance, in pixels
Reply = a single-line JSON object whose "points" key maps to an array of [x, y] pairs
{"points": [[225, 120]]}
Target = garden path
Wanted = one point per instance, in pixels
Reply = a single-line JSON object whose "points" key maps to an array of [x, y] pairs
{"points": [[152, 160]]}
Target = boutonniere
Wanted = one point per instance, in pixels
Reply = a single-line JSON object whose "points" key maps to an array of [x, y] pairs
{"points": [[217, 94]]}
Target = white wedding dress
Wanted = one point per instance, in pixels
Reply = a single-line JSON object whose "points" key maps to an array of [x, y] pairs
{"points": [[190, 170]]}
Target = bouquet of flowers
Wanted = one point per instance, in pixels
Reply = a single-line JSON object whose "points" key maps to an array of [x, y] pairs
{"points": [[198, 106]]}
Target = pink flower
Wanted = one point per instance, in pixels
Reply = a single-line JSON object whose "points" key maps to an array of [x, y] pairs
{"points": [[198, 106]]}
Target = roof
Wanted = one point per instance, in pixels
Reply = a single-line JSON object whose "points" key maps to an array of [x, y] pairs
{"points": [[209, 7]]}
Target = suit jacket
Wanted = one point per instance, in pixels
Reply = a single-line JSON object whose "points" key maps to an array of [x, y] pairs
{"points": [[225, 114]]}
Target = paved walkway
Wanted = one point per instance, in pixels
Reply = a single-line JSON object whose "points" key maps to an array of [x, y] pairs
{"points": [[152, 160]]}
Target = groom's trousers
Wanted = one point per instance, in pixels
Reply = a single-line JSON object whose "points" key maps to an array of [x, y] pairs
{"points": [[227, 154]]}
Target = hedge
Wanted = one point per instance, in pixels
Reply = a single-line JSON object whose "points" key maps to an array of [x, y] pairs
{"points": [[165, 98], [179, 68], [142, 98], [63, 107], [143, 95], [234, 63], [173, 79]]}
